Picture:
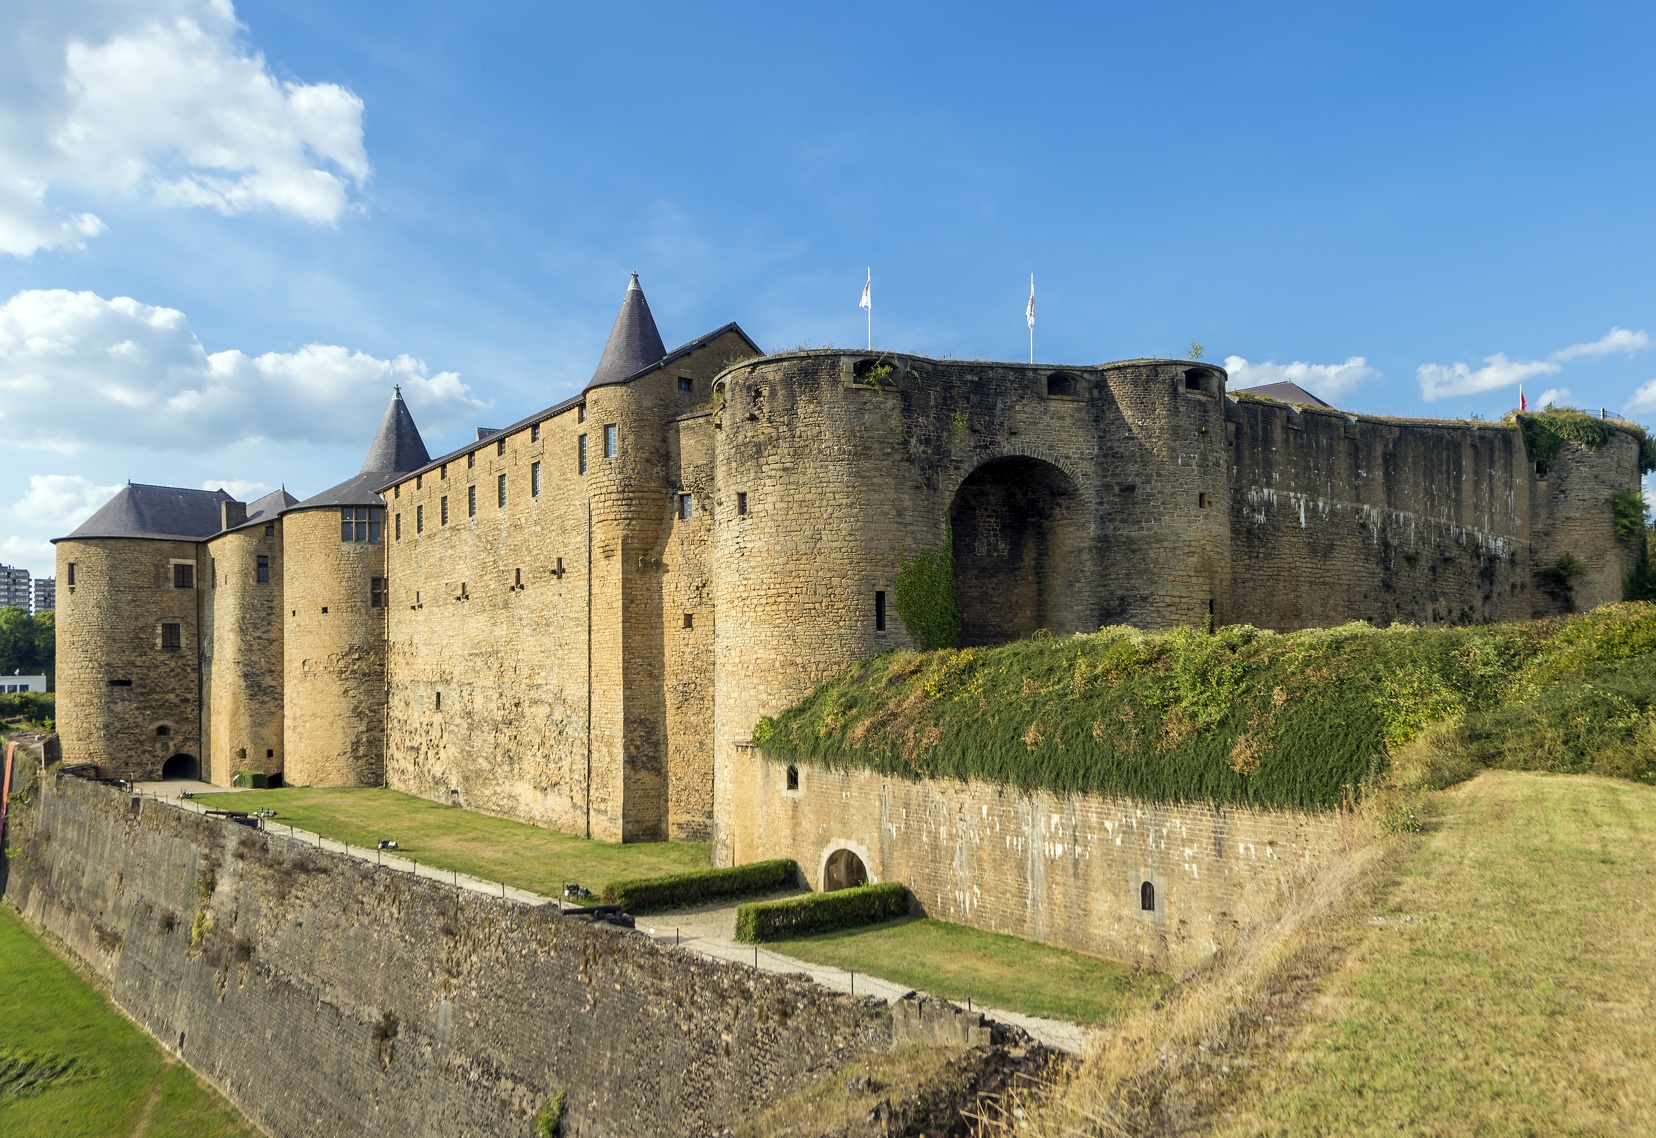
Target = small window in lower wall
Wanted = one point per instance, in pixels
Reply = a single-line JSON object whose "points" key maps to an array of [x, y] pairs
{"points": [[793, 778], [172, 635], [376, 592], [1147, 897], [879, 611]]}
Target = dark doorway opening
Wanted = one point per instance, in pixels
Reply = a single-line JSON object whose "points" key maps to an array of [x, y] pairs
{"points": [[844, 870], [182, 766], [1019, 550]]}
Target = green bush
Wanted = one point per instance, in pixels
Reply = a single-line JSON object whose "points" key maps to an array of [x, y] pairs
{"points": [[256, 780], [681, 890], [36, 707], [821, 912], [1242, 716]]}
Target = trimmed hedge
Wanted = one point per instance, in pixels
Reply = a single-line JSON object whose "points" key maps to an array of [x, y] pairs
{"points": [[821, 912], [681, 890], [251, 780]]}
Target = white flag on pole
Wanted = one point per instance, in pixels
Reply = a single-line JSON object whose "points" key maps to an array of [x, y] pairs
{"points": [[865, 302], [1029, 313]]}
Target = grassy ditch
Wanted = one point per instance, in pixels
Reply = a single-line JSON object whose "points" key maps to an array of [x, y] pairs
{"points": [[1242, 715], [1505, 987], [72, 1064], [961, 963], [494, 849]]}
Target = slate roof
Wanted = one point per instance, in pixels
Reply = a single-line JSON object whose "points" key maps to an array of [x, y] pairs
{"points": [[541, 416], [1284, 392], [397, 448], [634, 342], [158, 513], [263, 511]]}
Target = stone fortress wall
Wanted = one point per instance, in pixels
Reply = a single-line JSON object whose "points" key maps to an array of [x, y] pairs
{"points": [[126, 702], [242, 653], [324, 996]]}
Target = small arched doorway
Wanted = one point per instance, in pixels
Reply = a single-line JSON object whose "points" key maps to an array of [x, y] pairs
{"points": [[182, 767], [1019, 551], [844, 870]]}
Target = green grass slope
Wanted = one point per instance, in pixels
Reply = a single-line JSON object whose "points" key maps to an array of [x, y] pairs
{"points": [[1505, 988], [1242, 715], [70, 1064]]}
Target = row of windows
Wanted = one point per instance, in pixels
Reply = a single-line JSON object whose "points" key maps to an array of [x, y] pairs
{"points": [[612, 443]]}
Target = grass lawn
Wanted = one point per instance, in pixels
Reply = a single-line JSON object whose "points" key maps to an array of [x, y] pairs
{"points": [[957, 963], [52, 1020], [525, 857], [1509, 987]]}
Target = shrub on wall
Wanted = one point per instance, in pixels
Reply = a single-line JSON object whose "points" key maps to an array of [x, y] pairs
{"points": [[1546, 432], [925, 596], [681, 890], [821, 912], [1240, 716]]}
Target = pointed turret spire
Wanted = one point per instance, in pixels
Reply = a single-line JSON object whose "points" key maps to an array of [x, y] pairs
{"points": [[398, 446], [634, 343]]}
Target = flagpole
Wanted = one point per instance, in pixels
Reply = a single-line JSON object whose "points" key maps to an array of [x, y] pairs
{"points": [[868, 286], [1032, 318]]}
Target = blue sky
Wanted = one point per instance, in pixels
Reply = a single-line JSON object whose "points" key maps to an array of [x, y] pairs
{"points": [[224, 233]]}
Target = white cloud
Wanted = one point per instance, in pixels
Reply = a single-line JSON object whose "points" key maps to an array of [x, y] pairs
{"points": [[161, 98], [1438, 381], [1615, 340], [32, 553], [1553, 397], [78, 370], [1326, 381], [239, 489], [1643, 401], [61, 501]]}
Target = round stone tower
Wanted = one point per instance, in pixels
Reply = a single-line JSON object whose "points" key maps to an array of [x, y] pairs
{"points": [[1066, 499], [335, 591]]}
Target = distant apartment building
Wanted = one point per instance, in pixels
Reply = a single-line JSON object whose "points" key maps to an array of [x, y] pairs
{"points": [[10, 685], [44, 594], [14, 587]]}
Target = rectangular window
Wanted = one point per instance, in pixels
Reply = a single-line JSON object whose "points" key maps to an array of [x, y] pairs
{"points": [[879, 612], [376, 592], [686, 505], [471, 460], [399, 527], [1201, 501], [686, 383], [419, 519], [270, 530], [396, 491], [183, 576], [580, 454], [360, 523], [689, 620], [419, 481], [500, 490], [534, 433], [172, 635], [534, 480], [442, 471], [580, 413], [471, 501], [71, 574], [264, 570], [443, 509], [609, 440], [500, 447], [741, 501]]}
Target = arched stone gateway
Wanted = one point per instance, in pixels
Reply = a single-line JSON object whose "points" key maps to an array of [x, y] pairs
{"points": [[844, 869], [181, 767], [1019, 551]]}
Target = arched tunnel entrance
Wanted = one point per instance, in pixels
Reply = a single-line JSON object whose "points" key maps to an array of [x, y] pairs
{"points": [[181, 766], [1019, 551]]}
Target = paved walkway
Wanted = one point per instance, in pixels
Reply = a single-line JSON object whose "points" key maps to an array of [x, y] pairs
{"points": [[709, 932]]}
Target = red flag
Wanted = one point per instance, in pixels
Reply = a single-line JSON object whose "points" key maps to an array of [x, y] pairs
{"points": [[1523, 404]]}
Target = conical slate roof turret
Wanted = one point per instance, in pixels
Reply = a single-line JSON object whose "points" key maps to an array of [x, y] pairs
{"points": [[398, 446], [634, 343]]}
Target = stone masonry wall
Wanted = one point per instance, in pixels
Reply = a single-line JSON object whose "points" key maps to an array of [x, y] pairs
{"points": [[109, 629], [1572, 514], [325, 997], [841, 479], [333, 650], [242, 654], [1064, 871]]}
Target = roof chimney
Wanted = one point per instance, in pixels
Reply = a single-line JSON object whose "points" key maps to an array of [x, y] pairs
{"points": [[231, 513]]}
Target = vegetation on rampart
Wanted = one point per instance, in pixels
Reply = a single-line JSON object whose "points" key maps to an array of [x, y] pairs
{"points": [[925, 596], [1306, 719], [1545, 433]]}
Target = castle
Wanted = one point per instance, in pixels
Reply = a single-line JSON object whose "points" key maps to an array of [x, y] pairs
{"points": [[576, 620]]}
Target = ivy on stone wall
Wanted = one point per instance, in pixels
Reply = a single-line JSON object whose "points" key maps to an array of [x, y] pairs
{"points": [[925, 596], [1546, 432]]}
